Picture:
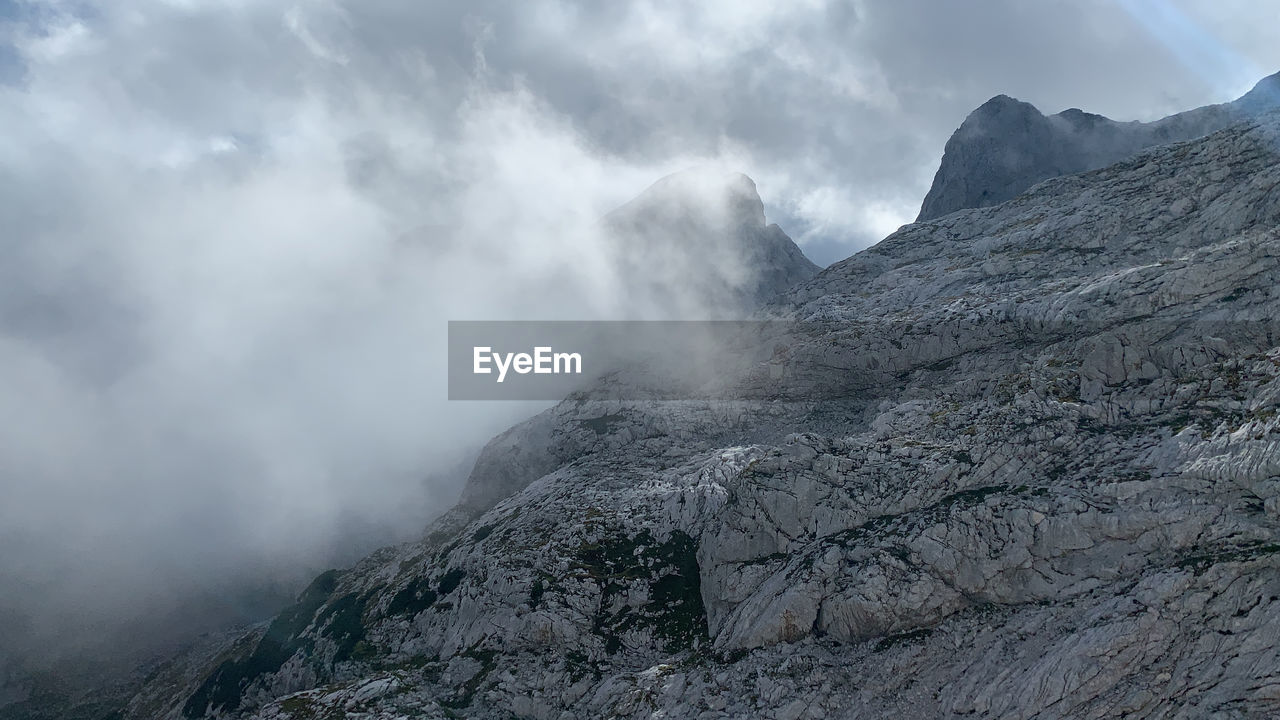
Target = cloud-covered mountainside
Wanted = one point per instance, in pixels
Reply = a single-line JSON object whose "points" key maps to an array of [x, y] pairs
{"points": [[695, 244], [1021, 461], [1006, 146]]}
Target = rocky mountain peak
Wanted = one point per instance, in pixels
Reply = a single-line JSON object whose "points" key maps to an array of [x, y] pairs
{"points": [[697, 194], [1006, 146], [1264, 95], [1001, 148], [696, 243], [1003, 106], [1079, 119]]}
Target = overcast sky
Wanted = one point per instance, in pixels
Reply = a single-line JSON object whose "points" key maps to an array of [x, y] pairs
{"points": [[215, 343], [839, 110]]}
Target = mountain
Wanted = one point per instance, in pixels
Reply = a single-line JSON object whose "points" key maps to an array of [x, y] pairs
{"points": [[1021, 461], [1006, 145], [697, 241]]}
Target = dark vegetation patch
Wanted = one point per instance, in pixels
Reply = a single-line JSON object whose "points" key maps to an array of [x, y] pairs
{"points": [[674, 613], [895, 525], [424, 593], [971, 497], [941, 365], [707, 656], [601, 425], [579, 665], [535, 593], [765, 559], [903, 638], [450, 580], [222, 689], [542, 584], [341, 622], [412, 598], [1199, 562]]}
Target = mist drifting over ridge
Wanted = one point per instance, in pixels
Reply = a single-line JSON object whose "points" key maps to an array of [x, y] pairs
{"points": [[233, 235], [224, 352], [273, 398]]}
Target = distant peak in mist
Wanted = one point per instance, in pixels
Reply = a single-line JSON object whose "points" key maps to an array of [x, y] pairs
{"points": [[696, 244], [1004, 103], [699, 191]]}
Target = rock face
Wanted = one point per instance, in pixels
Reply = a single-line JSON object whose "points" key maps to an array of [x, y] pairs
{"points": [[1006, 146], [1022, 461], [696, 243]]}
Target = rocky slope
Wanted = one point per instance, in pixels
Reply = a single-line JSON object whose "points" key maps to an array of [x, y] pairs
{"points": [[1023, 461], [1006, 146]]}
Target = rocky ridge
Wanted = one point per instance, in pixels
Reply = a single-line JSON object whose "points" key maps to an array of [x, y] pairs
{"points": [[1022, 461], [1006, 145]]}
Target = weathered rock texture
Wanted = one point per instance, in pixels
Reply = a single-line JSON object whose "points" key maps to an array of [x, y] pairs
{"points": [[1020, 462], [1006, 146]]}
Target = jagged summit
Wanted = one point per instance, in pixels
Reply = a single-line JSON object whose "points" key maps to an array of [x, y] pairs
{"points": [[698, 191], [1080, 119], [1002, 148], [1000, 116], [698, 240], [1001, 103], [1006, 145], [1263, 96]]}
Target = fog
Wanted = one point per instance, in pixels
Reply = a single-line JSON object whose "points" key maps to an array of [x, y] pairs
{"points": [[233, 233]]}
